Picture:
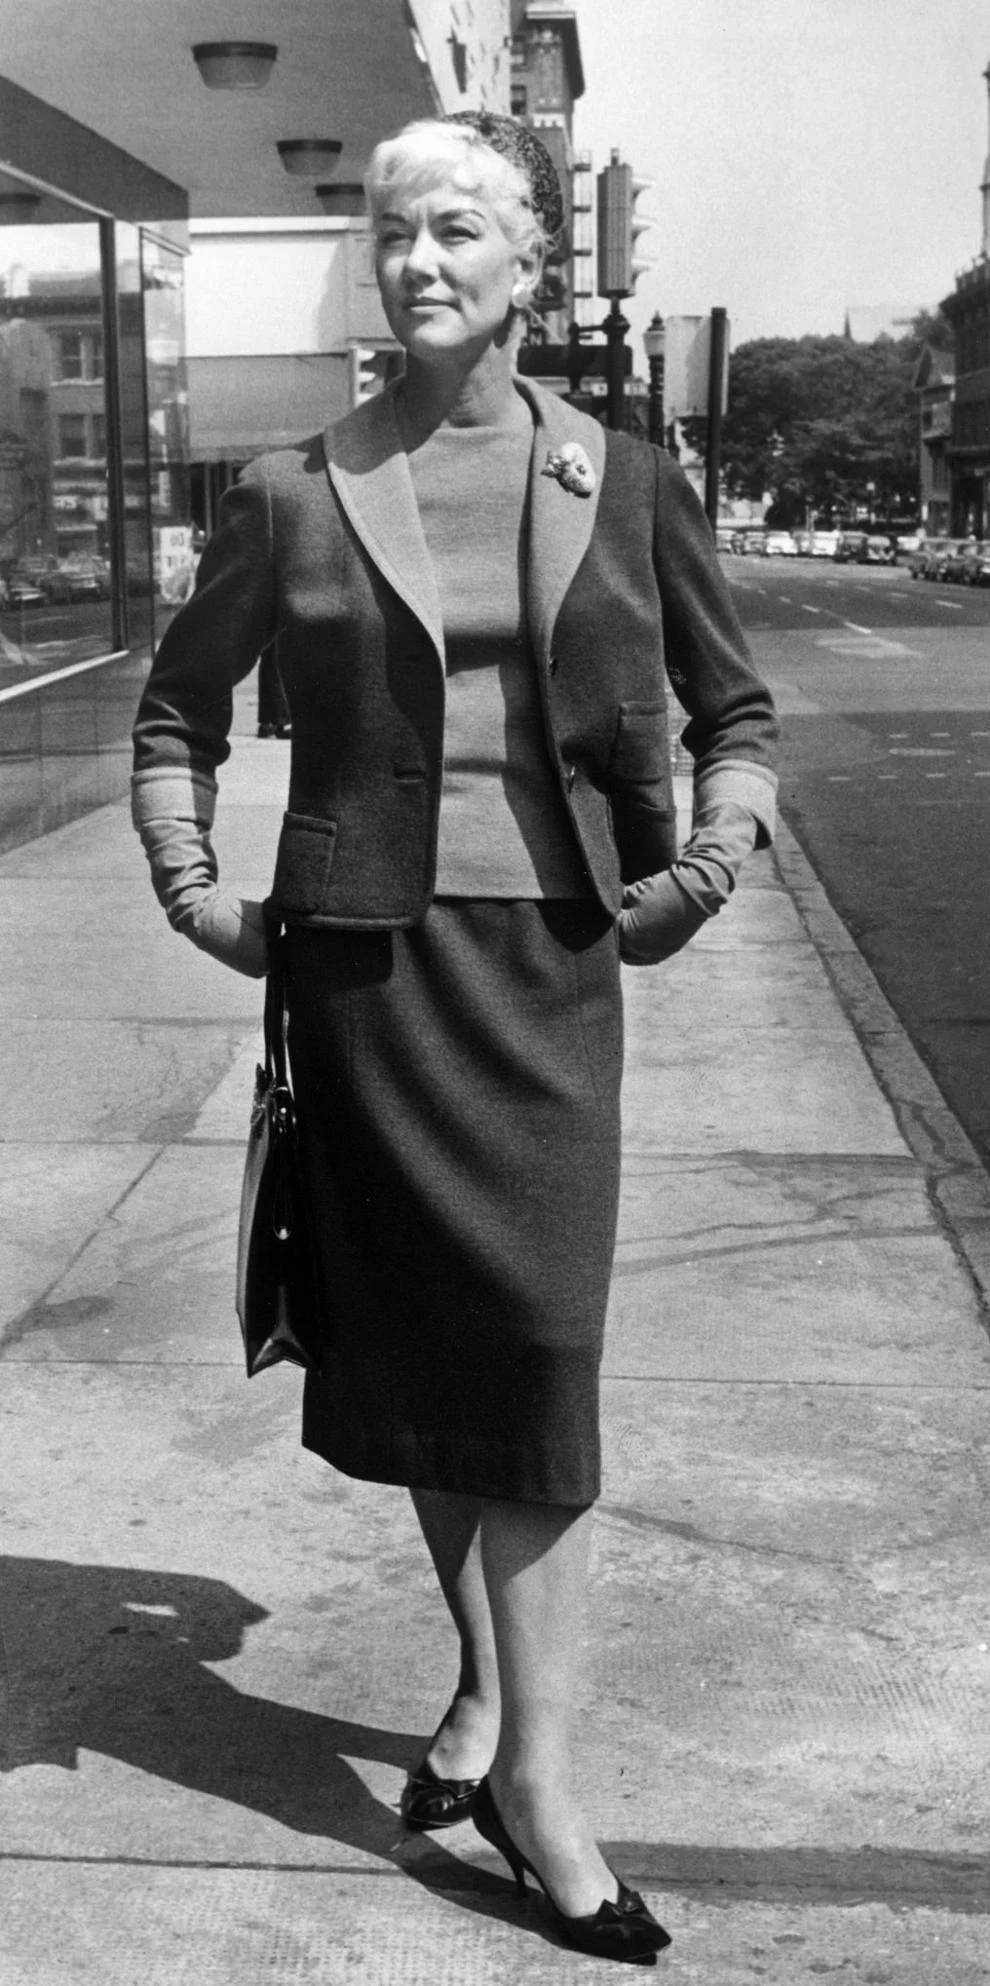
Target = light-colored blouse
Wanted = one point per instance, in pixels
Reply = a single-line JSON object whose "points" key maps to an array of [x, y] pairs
{"points": [[504, 826]]}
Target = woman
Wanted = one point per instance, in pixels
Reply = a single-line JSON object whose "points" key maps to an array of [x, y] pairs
{"points": [[474, 591]]}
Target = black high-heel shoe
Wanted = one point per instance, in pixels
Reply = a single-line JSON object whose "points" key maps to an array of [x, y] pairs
{"points": [[624, 1930], [429, 1802]]}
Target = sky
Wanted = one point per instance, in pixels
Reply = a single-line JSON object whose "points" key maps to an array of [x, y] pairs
{"points": [[808, 155]]}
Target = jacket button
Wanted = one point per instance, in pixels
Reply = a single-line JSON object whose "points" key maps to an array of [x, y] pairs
{"points": [[554, 664], [571, 775]]}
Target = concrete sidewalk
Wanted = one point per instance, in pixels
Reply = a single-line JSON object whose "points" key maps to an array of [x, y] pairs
{"points": [[220, 1657]]}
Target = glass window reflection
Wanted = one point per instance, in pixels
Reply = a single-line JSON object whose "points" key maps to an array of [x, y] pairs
{"points": [[55, 594]]}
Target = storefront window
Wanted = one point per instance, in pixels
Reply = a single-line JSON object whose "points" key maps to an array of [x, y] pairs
{"points": [[172, 548], [55, 589], [133, 435]]}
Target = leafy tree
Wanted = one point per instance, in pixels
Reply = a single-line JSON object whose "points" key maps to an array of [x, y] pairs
{"points": [[824, 423]]}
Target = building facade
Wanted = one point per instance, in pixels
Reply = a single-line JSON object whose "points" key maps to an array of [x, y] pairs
{"points": [[115, 150], [968, 451], [934, 384]]}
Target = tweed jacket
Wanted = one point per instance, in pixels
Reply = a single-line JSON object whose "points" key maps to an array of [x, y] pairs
{"points": [[320, 549]]}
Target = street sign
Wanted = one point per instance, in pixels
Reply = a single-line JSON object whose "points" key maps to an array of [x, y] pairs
{"points": [[687, 357], [557, 361]]}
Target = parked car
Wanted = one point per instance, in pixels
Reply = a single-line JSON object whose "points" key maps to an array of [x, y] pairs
{"points": [[976, 564], [780, 544], [823, 544], [938, 550], [954, 559], [918, 558], [875, 550], [86, 576], [848, 547], [68, 582], [23, 589]]}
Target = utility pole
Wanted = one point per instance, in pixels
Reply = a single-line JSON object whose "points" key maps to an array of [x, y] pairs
{"points": [[716, 385]]}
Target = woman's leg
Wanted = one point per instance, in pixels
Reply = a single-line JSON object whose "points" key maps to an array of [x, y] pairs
{"points": [[535, 1565], [464, 1745]]}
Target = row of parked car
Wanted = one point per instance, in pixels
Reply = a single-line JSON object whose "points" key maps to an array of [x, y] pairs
{"points": [[964, 561], [48, 581], [856, 547]]}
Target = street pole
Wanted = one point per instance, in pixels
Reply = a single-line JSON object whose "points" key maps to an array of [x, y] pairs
{"points": [[615, 328], [655, 348], [713, 449], [655, 415]]}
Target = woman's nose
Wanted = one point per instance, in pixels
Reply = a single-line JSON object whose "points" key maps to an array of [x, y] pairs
{"points": [[422, 257]]}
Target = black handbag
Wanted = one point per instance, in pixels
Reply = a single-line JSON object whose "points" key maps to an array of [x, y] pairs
{"points": [[276, 1285]]}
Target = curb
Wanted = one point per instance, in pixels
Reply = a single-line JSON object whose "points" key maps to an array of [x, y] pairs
{"points": [[957, 1180]]}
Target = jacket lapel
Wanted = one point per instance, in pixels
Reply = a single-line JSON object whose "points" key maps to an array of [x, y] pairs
{"points": [[368, 468], [560, 523]]}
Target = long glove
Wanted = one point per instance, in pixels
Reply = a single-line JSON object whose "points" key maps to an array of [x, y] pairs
{"points": [[660, 914], [173, 812]]}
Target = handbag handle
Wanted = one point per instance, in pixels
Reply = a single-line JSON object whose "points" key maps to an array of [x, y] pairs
{"points": [[276, 1061]]}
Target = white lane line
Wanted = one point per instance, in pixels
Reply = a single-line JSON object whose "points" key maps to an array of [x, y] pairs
{"points": [[857, 627], [936, 775], [951, 606], [839, 778], [981, 775], [805, 609]]}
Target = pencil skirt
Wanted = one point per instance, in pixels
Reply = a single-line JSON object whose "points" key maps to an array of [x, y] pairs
{"points": [[457, 1090]]}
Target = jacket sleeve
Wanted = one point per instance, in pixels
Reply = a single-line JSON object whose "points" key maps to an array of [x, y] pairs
{"points": [[213, 642], [732, 729], [182, 727]]}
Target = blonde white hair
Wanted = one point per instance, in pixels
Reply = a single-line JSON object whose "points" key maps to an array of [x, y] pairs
{"points": [[430, 153]]}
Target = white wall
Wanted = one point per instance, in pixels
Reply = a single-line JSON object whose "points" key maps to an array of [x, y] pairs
{"points": [[483, 27], [261, 288]]}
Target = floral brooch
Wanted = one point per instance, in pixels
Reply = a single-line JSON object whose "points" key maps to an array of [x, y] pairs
{"points": [[572, 469]]}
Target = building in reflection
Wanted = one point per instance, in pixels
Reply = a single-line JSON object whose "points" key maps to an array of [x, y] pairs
{"points": [[112, 148]]}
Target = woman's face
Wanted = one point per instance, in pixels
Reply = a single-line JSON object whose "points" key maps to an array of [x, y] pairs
{"points": [[448, 275]]}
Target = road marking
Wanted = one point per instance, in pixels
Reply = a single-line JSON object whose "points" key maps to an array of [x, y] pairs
{"points": [[891, 775], [898, 734], [920, 752], [839, 778], [857, 627], [981, 775], [805, 609], [940, 734], [951, 606], [936, 775], [980, 734]]}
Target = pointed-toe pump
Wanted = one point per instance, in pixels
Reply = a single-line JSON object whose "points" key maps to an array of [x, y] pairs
{"points": [[429, 1802], [626, 1930]]}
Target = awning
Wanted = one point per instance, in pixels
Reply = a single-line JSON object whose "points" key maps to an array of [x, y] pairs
{"points": [[238, 407]]}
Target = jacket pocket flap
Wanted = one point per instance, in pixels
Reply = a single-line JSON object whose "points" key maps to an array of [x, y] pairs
{"points": [[640, 752], [303, 863]]}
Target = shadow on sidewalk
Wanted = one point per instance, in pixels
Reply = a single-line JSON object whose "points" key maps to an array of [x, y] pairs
{"points": [[112, 1660]]}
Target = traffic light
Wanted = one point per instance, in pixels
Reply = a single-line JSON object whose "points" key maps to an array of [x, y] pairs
{"points": [[618, 228]]}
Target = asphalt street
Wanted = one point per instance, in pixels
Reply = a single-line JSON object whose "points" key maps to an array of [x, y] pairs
{"points": [[883, 683]]}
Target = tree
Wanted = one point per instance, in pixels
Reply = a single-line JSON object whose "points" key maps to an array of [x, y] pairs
{"points": [[824, 423]]}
